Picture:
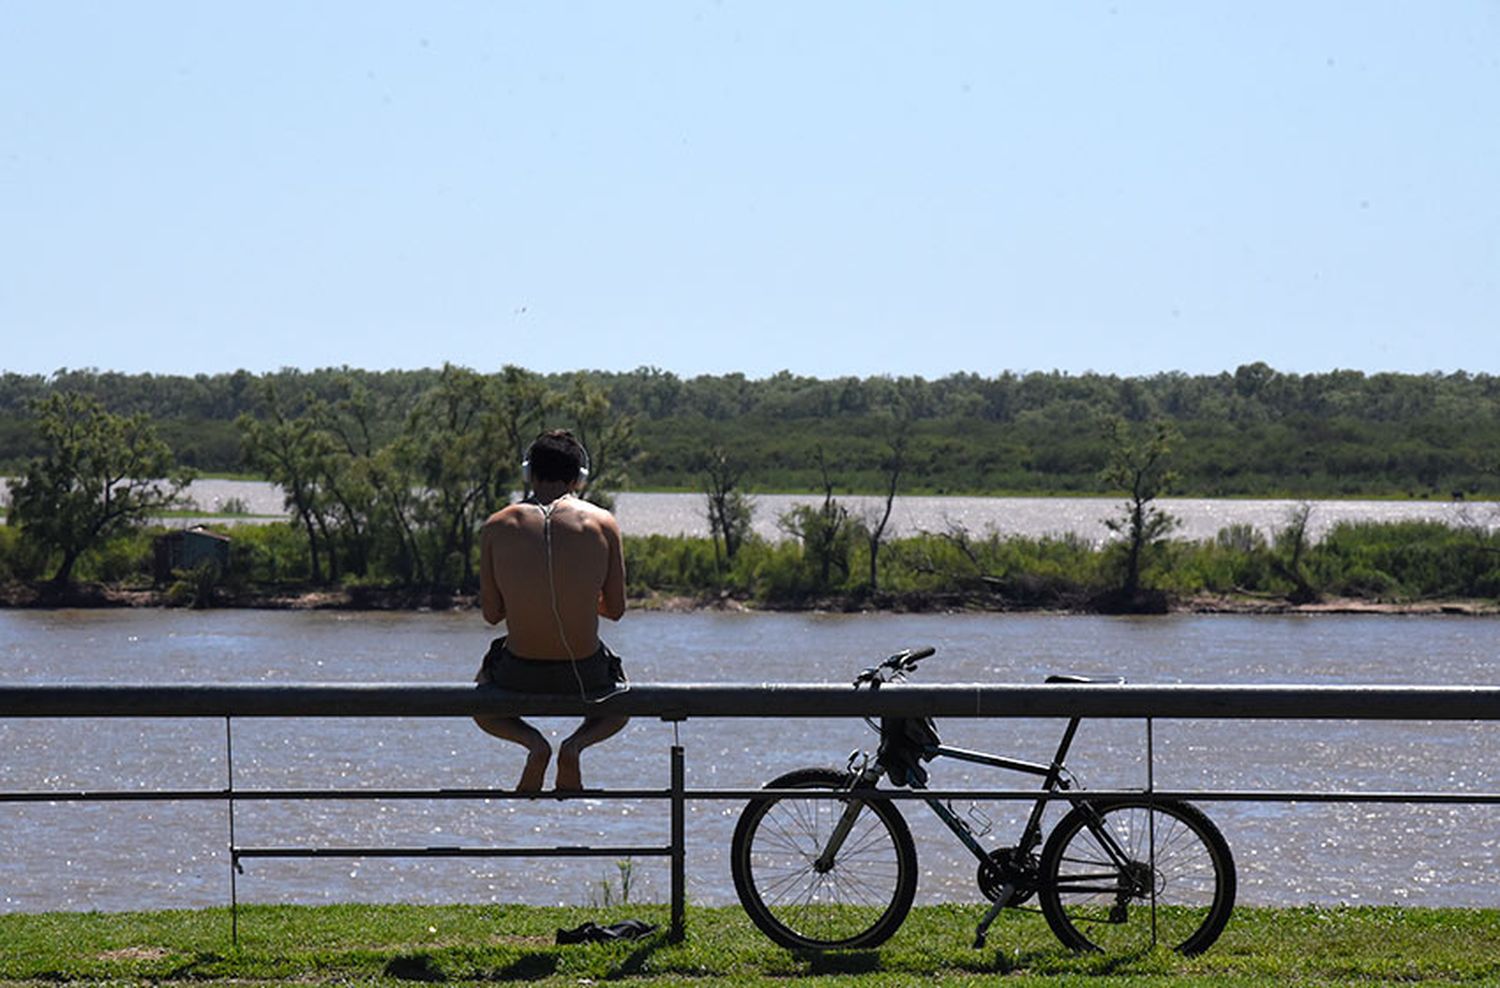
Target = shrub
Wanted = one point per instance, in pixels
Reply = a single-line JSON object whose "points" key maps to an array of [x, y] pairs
{"points": [[267, 555], [10, 554], [119, 560], [1407, 559], [665, 563]]}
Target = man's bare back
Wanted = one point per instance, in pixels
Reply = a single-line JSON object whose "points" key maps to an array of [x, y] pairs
{"points": [[551, 609]]}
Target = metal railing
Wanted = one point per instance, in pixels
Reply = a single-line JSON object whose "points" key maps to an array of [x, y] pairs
{"points": [[678, 702]]}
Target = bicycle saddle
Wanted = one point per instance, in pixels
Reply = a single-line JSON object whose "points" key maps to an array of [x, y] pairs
{"points": [[1068, 678]]}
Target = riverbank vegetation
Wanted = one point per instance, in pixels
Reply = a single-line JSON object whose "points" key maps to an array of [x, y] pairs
{"points": [[401, 944], [1397, 563], [387, 478]]}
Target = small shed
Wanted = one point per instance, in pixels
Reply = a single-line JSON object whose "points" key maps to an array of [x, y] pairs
{"points": [[187, 549]]}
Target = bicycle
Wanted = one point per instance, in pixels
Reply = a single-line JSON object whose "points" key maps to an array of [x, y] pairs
{"points": [[839, 873]]}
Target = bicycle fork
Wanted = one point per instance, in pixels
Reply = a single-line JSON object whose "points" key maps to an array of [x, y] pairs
{"points": [[823, 864], [862, 775]]}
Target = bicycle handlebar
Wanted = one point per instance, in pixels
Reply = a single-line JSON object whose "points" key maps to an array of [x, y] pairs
{"points": [[894, 668]]}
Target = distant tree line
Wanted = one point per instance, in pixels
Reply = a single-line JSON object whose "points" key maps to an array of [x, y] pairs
{"points": [[1253, 431]]}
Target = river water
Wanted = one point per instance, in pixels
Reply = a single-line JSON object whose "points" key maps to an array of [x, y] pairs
{"points": [[126, 856], [684, 514]]}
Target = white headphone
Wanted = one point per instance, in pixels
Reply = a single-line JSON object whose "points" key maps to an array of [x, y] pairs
{"points": [[583, 471]]}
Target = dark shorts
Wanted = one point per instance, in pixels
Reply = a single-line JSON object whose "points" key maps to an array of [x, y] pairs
{"points": [[591, 675]]}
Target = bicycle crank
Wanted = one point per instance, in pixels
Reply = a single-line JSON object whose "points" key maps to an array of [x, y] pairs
{"points": [[1012, 867]]}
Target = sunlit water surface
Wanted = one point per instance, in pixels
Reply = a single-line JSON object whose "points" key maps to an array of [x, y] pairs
{"points": [[126, 856]]}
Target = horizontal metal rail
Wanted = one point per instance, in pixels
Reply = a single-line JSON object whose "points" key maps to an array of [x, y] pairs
{"points": [[454, 851], [351, 795], [730, 794], [680, 701]]}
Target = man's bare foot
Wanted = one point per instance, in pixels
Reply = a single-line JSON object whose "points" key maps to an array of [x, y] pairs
{"points": [[591, 731]]}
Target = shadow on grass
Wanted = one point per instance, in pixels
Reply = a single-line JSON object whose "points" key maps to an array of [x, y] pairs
{"points": [[529, 966], [414, 967], [200, 965], [429, 968], [635, 961], [979, 962], [1001, 962], [840, 962]]}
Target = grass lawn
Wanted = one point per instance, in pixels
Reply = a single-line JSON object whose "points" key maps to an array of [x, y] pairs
{"points": [[457, 944]]}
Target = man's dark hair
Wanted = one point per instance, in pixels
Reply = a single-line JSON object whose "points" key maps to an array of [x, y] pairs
{"points": [[556, 456]]}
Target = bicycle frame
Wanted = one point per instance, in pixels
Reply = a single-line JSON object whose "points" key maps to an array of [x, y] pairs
{"points": [[1054, 779], [1052, 776]]}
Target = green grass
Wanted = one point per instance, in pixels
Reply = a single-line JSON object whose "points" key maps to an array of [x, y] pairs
{"points": [[458, 944]]}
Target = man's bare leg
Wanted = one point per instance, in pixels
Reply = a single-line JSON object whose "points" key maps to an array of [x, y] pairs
{"points": [[538, 751], [591, 731]]}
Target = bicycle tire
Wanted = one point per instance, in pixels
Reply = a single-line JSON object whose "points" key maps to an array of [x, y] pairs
{"points": [[1181, 898], [856, 904]]}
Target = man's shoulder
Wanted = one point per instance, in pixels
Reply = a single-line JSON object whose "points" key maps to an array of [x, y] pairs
{"points": [[603, 516], [508, 515]]}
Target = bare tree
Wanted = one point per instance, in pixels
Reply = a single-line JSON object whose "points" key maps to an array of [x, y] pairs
{"points": [[824, 531], [893, 465], [730, 509], [1292, 544]]}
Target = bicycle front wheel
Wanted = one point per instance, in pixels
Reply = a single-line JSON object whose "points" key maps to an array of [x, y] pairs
{"points": [[803, 898], [1126, 875]]}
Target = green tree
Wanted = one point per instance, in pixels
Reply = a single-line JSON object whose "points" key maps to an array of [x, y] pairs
{"points": [[521, 405], [1138, 464], [101, 476], [291, 451], [462, 460], [348, 473], [608, 437]]}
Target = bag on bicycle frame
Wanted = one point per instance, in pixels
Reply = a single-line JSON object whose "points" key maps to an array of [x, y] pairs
{"points": [[905, 743]]}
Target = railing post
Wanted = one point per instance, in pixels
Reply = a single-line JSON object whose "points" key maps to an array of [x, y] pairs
{"points": [[679, 848], [234, 859], [1151, 813]]}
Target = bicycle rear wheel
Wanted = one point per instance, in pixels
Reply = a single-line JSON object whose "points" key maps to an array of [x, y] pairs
{"points": [[856, 902], [1126, 875]]}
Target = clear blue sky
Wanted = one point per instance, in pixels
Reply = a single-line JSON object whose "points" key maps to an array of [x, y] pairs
{"points": [[830, 188]]}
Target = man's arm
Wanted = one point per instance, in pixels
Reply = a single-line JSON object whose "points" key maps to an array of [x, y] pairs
{"points": [[612, 594], [490, 600]]}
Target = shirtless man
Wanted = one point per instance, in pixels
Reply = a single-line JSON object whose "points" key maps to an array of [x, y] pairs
{"points": [[549, 566]]}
